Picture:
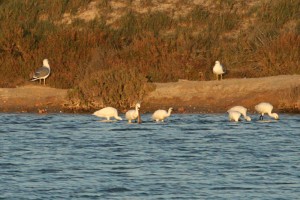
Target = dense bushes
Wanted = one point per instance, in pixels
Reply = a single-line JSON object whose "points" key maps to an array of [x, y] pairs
{"points": [[111, 87], [152, 47], [279, 56]]}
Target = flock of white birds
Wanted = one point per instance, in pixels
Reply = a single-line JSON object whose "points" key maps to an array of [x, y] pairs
{"points": [[234, 113], [110, 112]]}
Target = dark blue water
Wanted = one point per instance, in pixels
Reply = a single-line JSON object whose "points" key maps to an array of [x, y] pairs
{"points": [[61, 156]]}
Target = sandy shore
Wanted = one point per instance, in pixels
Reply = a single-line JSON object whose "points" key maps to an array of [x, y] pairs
{"points": [[218, 96], [184, 96], [32, 98]]}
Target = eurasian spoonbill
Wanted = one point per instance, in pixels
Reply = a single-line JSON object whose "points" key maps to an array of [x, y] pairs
{"points": [[160, 115], [234, 116], [107, 113], [263, 108], [133, 114], [242, 110]]}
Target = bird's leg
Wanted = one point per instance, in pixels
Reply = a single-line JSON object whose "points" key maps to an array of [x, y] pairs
{"points": [[261, 117], [39, 81], [221, 76], [44, 81], [217, 76]]}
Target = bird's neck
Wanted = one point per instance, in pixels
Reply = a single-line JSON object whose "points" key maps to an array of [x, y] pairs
{"points": [[45, 64]]}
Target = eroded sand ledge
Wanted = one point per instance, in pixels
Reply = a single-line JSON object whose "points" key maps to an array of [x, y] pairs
{"points": [[184, 96], [217, 96]]}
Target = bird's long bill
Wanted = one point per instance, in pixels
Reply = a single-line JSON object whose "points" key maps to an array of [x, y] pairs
{"points": [[139, 117]]}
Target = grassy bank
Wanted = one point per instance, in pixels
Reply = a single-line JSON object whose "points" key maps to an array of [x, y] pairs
{"points": [[111, 60]]}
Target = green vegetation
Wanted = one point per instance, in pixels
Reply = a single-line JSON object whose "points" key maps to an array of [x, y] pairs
{"points": [[112, 64]]}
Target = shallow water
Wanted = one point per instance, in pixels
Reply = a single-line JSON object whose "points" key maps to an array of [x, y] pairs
{"points": [[60, 156]]}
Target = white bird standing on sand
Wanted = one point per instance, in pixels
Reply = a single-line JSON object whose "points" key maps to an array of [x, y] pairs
{"points": [[241, 110], [160, 115], [218, 70], [133, 114], [42, 72], [263, 108], [107, 112], [234, 116]]}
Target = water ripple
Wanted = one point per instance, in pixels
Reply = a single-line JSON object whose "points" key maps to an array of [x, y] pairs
{"points": [[60, 156]]}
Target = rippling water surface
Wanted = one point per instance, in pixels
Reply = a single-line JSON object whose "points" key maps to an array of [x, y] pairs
{"points": [[60, 156]]}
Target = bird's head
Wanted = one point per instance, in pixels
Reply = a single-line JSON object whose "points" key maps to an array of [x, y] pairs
{"points": [[275, 115], [248, 118], [138, 105], [45, 63]]}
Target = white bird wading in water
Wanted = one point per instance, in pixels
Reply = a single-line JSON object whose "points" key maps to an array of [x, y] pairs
{"points": [[241, 110], [234, 116], [107, 113], [160, 115], [42, 72], [133, 114], [263, 108]]}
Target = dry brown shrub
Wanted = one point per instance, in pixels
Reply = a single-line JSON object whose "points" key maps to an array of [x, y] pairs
{"points": [[280, 56], [290, 99], [119, 88]]}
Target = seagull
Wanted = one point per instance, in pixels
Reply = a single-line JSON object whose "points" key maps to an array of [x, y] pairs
{"points": [[263, 108], [241, 110], [234, 116], [42, 72], [160, 115], [107, 113], [133, 114], [218, 69]]}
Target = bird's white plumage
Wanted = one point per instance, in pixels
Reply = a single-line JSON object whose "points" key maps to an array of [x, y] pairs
{"points": [[242, 110], [218, 69], [266, 108], [133, 114], [107, 113], [234, 116], [160, 115], [42, 73]]}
